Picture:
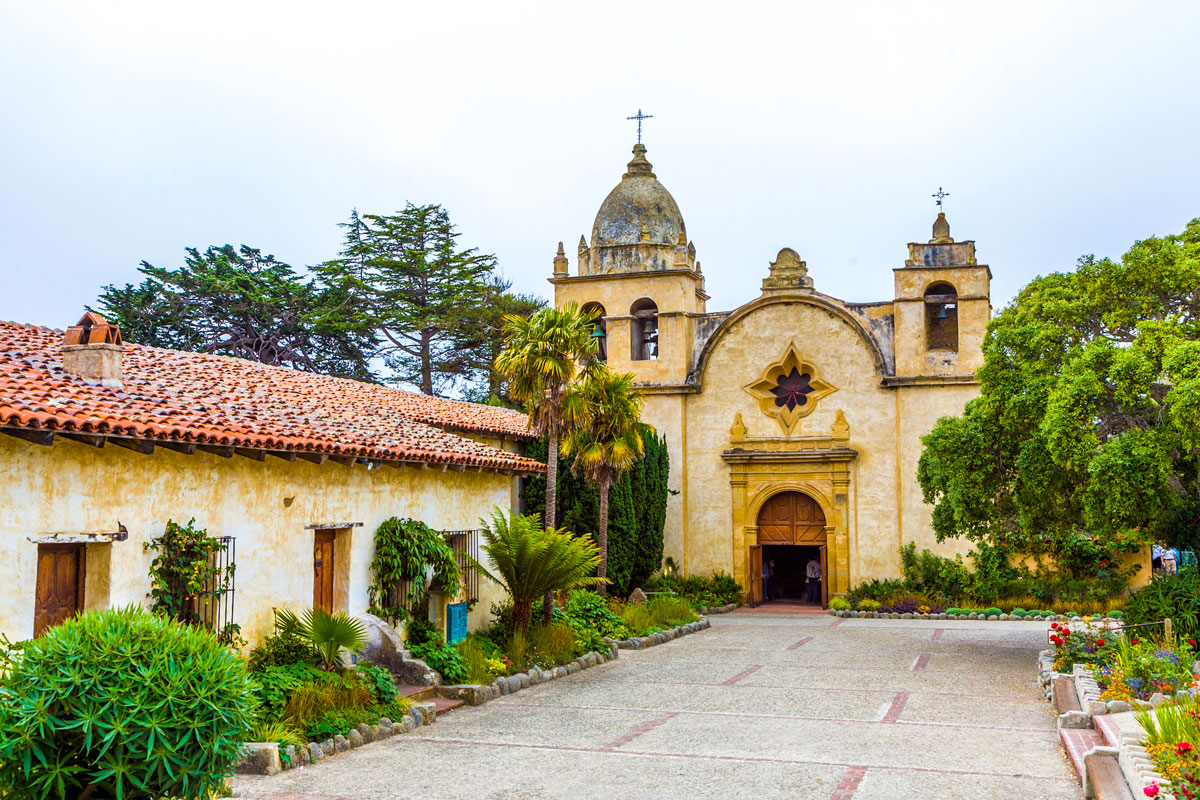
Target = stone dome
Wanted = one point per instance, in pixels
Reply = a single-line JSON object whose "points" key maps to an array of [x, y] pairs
{"points": [[638, 210]]}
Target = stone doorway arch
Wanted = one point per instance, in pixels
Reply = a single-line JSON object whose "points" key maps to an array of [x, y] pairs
{"points": [[792, 532]]}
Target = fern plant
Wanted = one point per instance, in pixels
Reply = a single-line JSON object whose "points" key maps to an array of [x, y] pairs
{"points": [[531, 562]]}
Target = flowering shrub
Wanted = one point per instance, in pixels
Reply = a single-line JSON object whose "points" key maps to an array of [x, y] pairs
{"points": [[1078, 647], [1170, 731]]}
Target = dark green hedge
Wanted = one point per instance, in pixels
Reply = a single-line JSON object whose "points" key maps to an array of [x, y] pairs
{"points": [[637, 510]]}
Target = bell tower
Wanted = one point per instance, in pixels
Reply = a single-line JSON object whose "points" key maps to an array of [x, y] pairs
{"points": [[942, 308], [640, 271]]}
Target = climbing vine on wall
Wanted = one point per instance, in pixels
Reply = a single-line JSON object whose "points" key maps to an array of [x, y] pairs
{"points": [[185, 572], [409, 556]]}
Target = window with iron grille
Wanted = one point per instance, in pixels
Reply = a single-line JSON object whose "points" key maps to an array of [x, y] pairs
{"points": [[466, 552], [465, 545], [212, 606]]}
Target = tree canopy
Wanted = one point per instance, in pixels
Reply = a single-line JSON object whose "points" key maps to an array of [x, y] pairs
{"points": [[404, 303], [1085, 439], [421, 294], [239, 302]]}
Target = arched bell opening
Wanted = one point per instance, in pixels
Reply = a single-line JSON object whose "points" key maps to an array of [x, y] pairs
{"points": [[941, 317], [644, 330]]}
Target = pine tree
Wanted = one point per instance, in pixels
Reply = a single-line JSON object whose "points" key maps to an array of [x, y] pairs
{"points": [[407, 277]]}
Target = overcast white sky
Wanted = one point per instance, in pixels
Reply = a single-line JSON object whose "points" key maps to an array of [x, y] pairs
{"points": [[132, 130]]}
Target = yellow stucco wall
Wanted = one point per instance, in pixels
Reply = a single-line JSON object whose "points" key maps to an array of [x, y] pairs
{"points": [[73, 488], [844, 360]]}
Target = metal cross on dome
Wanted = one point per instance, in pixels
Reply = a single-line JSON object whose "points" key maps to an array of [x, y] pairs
{"points": [[940, 194], [639, 117]]}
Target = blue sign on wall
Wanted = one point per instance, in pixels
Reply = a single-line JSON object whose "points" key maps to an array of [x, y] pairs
{"points": [[456, 622]]}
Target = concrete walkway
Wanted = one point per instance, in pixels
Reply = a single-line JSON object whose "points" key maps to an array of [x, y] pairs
{"points": [[762, 705]]}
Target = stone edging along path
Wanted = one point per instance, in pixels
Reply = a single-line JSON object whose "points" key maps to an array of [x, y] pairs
{"points": [[262, 758], [964, 617]]}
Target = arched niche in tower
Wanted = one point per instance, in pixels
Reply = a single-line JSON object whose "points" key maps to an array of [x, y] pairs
{"points": [[599, 329], [941, 317], [643, 330]]}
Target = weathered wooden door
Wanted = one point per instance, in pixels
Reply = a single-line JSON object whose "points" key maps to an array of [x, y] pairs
{"points": [[791, 518], [824, 578], [323, 570], [60, 571], [756, 581]]}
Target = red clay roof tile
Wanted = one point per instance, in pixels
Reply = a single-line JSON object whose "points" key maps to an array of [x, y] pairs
{"points": [[219, 400]]}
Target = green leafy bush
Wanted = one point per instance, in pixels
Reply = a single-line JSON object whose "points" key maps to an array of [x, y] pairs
{"points": [[403, 550], [283, 648], [867, 604], [274, 685], [992, 611], [441, 657], [718, 589], [379, 680], [131, 702], [839, 604], [875, 589], [1176, 597], [585, 609], [931, 573]]}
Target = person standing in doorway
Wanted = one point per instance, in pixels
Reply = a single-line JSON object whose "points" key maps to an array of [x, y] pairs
{"points": [[814, 580], [768, 575]]}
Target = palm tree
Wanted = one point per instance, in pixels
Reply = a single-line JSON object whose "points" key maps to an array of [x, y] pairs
{"points": [[532, 562], [541, 357], [606, 440]]}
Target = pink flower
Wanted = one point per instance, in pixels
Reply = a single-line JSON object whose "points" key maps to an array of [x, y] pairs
{"points": [[1151, 790]]}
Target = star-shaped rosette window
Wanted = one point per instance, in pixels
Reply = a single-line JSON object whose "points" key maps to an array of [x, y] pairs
{"points": [[789, 389]]}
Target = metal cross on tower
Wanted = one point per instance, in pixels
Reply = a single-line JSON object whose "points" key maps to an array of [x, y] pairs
{"points": [[639, 117], [940, 194]]}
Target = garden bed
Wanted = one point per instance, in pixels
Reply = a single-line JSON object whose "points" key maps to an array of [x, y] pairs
{"points": [[271, 757], [1119, 682]]}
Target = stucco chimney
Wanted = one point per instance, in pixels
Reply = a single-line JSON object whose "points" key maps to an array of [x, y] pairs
{"points": [[92, 349]]}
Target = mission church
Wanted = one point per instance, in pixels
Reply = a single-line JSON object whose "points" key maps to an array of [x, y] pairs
{"points": [[793, 422]]}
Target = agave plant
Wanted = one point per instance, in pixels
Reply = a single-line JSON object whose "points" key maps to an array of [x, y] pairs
{"points": [[327, 633], [531, 561]]}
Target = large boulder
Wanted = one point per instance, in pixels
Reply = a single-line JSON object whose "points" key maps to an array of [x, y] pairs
{"points": [[638, 596], [385, 647]]}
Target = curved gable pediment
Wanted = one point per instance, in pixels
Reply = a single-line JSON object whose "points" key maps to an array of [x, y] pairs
{"points": [[809, 298]]}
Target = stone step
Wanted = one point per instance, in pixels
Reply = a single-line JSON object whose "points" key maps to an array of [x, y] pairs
{"points": [[1077, 741], [1106, 779], [444, 705], [418, 694]]}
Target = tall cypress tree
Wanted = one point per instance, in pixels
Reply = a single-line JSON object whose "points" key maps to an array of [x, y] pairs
{"points": [[637, 510], [409, 277]]}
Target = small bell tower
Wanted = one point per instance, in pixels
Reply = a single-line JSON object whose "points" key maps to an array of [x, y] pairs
{"points": [[942, 307]]}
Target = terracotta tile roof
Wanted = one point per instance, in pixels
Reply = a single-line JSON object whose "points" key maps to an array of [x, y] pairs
{"points": [[218, 400]]}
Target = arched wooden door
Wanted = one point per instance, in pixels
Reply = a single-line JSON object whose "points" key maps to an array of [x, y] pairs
{"points": [[791, 518], [788, 518]]}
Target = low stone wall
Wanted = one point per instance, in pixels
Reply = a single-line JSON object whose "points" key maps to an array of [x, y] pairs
{"points": [[262, 758], [704, 610], [642, 642]]}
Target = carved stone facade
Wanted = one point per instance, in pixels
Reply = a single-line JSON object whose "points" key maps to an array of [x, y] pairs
{"points": [[795, 391]]}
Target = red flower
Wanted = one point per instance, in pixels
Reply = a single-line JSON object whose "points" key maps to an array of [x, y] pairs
{"points": [[1192, 642], [1182, 747], [1057, 640], [1151, 790], [1099, 643], [1133, 641]]}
